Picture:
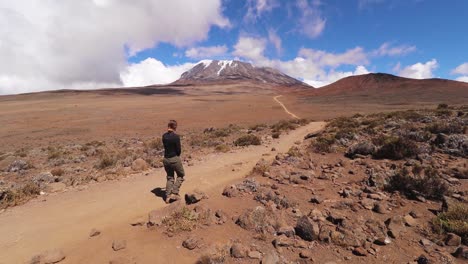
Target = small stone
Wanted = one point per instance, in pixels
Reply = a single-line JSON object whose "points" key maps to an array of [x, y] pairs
{"points": [[154, 218], [119, 245], [255, 255], [409, 220], [271, 258], [195, 197], [316, 200], [94, 232], [48, 257], [380, 208], [306, 229], [461, 252], [452, 240], [426, 242], [239, 251], [139, 165], [305, 254], [191, 243], [422, 260], [231, 191], [359, 251], [287, 231], [383, 241], [283, 241]]}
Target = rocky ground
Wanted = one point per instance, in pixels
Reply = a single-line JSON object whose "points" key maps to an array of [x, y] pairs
{"points": [[385, 188], [38, 170]]}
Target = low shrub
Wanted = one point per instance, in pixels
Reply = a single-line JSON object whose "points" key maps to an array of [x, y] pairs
{"points": [[454, 220], [446, 128], [57, 171], [442, 106], [54, 153], [19, 196], [427, 184], [261, 167], [343, 123], [284, 125], [181, 220], [154, 144], [258, 127], [248, 140], [397, 148], [107, 160], [294, 152], [275, 134], [323, 143]]}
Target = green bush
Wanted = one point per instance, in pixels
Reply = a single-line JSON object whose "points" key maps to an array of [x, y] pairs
{"points": [[454, 220], [248, 140]]}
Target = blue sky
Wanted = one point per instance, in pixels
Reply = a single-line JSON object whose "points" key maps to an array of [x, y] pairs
{"points": [[88, 44]]}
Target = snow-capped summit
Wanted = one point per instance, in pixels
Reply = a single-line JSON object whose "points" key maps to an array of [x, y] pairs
{"points": [[212, 71]]}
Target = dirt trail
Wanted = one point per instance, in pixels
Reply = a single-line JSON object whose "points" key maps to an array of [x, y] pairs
{"points": [[64, 220], [284, 107]]}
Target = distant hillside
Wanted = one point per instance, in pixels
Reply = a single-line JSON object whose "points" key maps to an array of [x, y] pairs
{"points": [[223, 71]]}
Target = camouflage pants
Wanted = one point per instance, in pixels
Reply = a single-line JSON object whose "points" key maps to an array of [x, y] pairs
{"points": [[172, 165]]}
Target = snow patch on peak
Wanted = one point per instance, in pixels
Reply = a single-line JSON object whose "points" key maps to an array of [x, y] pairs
{"points": [[223, 64], [206, 63]]}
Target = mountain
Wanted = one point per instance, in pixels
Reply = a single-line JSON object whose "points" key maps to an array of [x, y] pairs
{"points": [[388, 88], [222, 71]]}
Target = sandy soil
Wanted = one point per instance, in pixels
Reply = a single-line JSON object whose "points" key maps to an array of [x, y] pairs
{"points": [[65, 220]]}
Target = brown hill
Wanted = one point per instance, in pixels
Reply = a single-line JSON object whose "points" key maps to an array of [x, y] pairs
{"points": [[390, 89]]}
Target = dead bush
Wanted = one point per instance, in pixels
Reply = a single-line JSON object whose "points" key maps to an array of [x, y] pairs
{"points": [[284, 125], [261, 167], [409, 115], [442, 106], [23, 152], [54, 153], [248, 140], [446, 128], [397, 148], [342, 123], [258, 127], [154, 144], [427, 184], [107, 160], [19, 196], [275, 134], [323, 143], [294, 152], [454, 220], [181, 220]]}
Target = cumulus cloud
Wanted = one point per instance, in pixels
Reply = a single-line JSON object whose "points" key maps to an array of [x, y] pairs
{"points": [[461, 69], [206, 52], [316, 67], [152, 71], [386, 49], [419, 70], [59, 44], [255, 8], [250, 48], [462, 79], [311, 23]]}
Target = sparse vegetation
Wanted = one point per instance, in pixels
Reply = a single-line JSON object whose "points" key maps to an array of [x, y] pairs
{"points": [[18, 196], [323, 143], [275, 134], [442, 106], [446, 127], [107, 160], [454, 220], [248, 140], [181, 220], [54, 153], [425, 183], [57, 171], [155, 144], [397, 148], [294, 152]]}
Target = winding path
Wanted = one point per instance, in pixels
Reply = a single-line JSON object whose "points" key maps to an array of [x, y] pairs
{"points": [[284, 107], [64, 220]]}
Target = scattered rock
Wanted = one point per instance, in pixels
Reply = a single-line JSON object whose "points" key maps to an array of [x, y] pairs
{"points": [[409, 220], [422, 260], [305, 254], [307, 229], [139, 165], [452, 240], [271, 258], [239, 251], [395, 226], [255, 255], [359, 251], [282, 241], [231, 191], [18, 165], [191, 243], [362, 148], [383, 241], [195, 197], [316, 200], [287, 231], [426, 242], [94, 232], [461, 252], [119, 245], [48, 257], [380, 208]]}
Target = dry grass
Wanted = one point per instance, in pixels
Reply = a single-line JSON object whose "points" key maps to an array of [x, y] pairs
{"points": [[454, 220], [294, 152], [222, 148], [248, 140], [57, 171], [107, 160], [397, 148], [19, 196], [323, 143], [182, 220]]}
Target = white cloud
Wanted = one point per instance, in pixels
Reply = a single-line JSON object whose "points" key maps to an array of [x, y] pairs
{"points": [[386, 49], [58, 44], [255, 8], [311, 23], [206, 52], [152, 71], [462, 79], [250, 48], [462, 69], [334, 76], [276, 40], [418, 70], [350, 57]]}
